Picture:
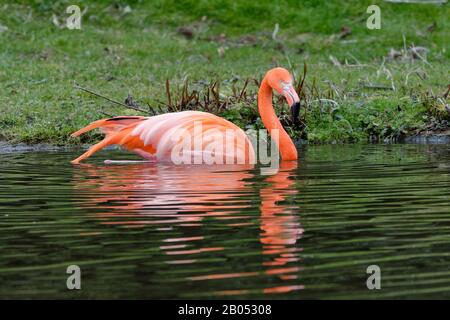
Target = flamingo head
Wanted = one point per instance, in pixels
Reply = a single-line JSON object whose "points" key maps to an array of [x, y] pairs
{"points": [[281, 81]]}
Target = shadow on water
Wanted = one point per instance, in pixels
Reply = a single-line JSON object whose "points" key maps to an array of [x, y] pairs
{"points": [[164, 231]]}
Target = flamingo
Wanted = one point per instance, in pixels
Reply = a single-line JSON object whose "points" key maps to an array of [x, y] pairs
{"points": [[153, 138]]}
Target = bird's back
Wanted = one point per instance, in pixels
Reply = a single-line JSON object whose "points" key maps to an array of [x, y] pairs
{"points": [[193, 132]]}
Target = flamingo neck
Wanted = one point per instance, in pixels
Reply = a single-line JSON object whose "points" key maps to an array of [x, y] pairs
{"points": [[286, 147]]}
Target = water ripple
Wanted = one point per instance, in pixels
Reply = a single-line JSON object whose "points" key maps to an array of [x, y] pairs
{"points": [[161, 231]]}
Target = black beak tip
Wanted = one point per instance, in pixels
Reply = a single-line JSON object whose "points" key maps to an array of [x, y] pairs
{"points": [[295, 109]]}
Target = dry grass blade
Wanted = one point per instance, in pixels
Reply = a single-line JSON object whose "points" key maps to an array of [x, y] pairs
{"points": [[169, 98], [445, 95], [132, 107], [243, 90], [215, 91], [301, 83]]}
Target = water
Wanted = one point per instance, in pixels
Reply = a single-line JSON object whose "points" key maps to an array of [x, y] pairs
{"points": [[160, 231]]}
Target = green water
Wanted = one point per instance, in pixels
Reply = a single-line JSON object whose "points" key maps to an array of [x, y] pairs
{"points": [[162, 231]]}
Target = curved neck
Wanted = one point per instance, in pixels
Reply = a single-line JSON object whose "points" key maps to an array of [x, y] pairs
{"points": [[269, 118]]}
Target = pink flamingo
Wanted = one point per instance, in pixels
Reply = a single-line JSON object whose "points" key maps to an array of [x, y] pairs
{"points": [[154, 138]]}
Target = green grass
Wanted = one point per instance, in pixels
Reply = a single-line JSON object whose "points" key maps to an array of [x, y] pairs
{"points": [[118, 53]]}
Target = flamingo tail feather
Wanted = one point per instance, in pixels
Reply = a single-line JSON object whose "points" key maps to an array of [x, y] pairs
{"points": [[97, 147], [110, 125], [112, 128]]}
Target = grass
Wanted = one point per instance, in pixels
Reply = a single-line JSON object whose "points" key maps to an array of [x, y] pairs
{"points": [[356, 88]]}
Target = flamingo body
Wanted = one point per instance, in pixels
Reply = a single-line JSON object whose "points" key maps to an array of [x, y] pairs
{"points": [[156, 137]]}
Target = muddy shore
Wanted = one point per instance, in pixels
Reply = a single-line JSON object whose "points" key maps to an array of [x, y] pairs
{"points": [[7, 147]]}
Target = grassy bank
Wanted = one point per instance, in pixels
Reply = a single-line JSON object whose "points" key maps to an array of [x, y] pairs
{"points": [[360, 84]]}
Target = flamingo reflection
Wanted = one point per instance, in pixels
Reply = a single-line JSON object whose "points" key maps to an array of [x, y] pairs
{"points": [[166, 195], [175, 194]]}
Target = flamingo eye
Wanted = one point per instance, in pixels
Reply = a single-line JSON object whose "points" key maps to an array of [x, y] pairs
{"points": [[285, 86]]}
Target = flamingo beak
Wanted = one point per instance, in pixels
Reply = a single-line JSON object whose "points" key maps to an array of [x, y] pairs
{"points": [[293, 101], [295, 110]]}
